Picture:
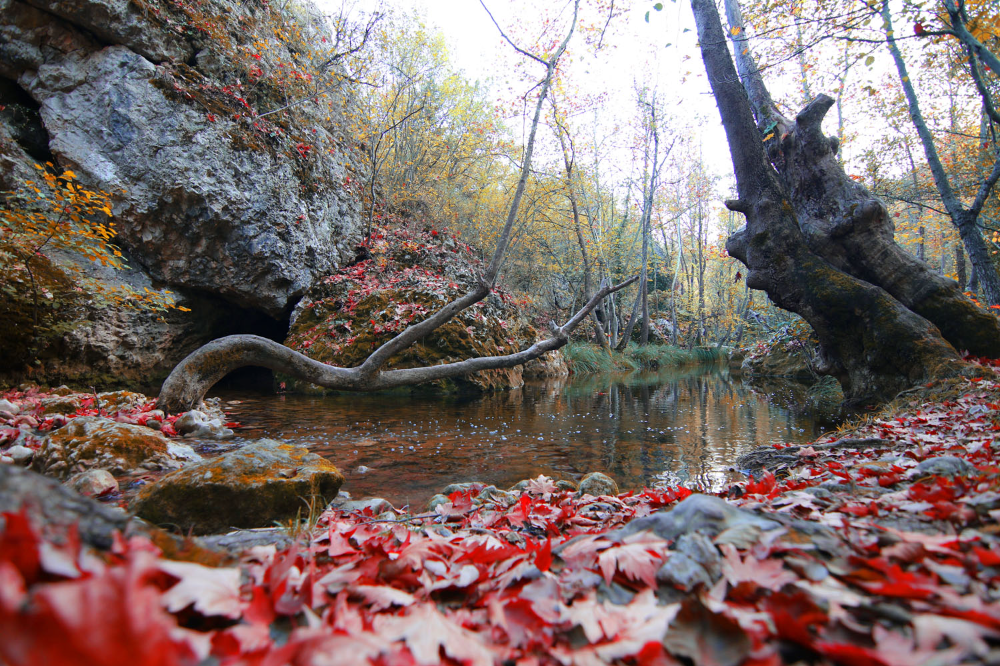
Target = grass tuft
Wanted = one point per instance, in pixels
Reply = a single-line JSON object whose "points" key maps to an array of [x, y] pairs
{"points": [[587, 358]]}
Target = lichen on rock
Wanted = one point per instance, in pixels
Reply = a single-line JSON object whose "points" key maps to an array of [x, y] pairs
{"points": [[262, 482], [88, 442]]}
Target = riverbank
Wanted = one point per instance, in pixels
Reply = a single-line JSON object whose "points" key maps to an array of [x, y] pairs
{"points": [[588, 358], [876, 544]]}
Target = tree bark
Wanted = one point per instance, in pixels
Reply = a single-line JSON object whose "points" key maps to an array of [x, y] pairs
{"points": [[869, 341], [848, 227]]}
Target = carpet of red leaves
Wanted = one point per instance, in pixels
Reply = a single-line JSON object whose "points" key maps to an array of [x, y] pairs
{"points": [[887, 565]]}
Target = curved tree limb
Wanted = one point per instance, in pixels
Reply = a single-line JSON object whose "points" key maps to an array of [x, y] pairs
{"points": [[188, 383]]}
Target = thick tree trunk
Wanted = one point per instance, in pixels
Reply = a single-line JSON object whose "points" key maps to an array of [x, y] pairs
{"points": [[869, 341], [851, 229]]}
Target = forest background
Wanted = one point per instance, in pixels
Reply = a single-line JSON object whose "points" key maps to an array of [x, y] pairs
{"points": [[631, 169]]}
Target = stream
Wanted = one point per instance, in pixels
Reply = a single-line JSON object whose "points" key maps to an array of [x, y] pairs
{"points": [[643, 429]]}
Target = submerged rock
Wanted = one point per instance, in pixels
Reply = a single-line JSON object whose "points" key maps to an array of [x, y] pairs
{"points": [[598, 485], [93, 441], [254, 486]]}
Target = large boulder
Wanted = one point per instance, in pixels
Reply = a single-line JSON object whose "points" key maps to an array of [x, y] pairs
{"points": [[90, 442], [262, 482], [201, 210], [235, 214], [411, 272]]}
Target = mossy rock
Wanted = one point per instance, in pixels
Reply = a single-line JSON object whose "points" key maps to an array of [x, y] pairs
{"points": [[411, 274], [89, 442], [254, 486], [779, 361]]}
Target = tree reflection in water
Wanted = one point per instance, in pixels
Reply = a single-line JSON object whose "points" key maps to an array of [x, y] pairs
{"points": [[641, 428]]}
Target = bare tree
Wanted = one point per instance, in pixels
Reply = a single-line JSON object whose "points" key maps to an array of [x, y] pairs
{"points": [[187, 384]]}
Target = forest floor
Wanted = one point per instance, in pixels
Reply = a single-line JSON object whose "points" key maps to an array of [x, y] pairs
{"points": [[876, 545]]}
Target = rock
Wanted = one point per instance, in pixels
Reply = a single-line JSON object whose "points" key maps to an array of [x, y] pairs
{"points": [[781, 358], [598, 485], [412, 272], [94, 441], [701, 550], [461, 487], [376, 505], [54, 508], [682, 571], [181, 201], [113, 402], [566, 485], [60, 405], [237, 222], [495, 495], [240, 541], [93, 482], [437, 501], [122, 22], [198, 424], [943, 466], [9, 407], [704, 514], [244, 488], [20, 454]]}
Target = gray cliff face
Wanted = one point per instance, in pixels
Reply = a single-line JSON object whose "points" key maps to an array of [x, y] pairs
{"points": [[231, 218], [197, 205]]}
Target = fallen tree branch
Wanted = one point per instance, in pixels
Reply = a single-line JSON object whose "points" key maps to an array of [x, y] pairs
{"points": [[188, 383]]}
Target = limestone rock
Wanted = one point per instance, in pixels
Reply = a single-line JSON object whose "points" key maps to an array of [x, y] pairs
{"points": [[196, 423], [93, 482], [254, 486], [54, 508], [96, 442], [181, 203], [705, 514], [598, 484]]}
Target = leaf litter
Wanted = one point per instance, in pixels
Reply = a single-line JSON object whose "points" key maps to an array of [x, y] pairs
{"points": [[879, 548]]}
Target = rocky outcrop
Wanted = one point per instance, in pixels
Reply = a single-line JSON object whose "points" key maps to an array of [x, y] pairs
{"points": [[262, 482], [412, 271], [235, 212]]}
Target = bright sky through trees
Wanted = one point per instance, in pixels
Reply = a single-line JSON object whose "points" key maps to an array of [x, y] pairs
{"points": [[633, 52]]}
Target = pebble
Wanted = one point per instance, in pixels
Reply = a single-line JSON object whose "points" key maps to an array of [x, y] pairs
{"points": [[943, 466], [93, 482], [20, 454]]}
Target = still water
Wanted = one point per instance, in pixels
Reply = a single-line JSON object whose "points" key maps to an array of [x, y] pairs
{"points": [[642, 429]]}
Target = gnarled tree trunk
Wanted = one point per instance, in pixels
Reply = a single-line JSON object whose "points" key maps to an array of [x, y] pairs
{"points": [[870, 341], [844, 223]]}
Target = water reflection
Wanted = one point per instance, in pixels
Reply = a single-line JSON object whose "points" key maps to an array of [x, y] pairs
{"points": [[642, 429]]}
